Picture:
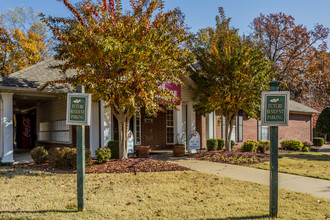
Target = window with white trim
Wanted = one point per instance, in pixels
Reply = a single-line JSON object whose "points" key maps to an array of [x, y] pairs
{"points": [[263, 132], [137, 130], [169, 127]]}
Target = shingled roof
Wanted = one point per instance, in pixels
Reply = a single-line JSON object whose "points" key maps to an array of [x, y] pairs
{"points": [[37, 75], [296, 107]]}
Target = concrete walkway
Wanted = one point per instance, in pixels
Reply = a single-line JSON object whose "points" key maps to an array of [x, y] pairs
{"points": [[314, 186]]}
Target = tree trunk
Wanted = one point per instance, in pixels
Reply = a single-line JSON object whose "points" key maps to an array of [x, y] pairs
{"points": [[123, 130], [229, 120], [123, 116]]}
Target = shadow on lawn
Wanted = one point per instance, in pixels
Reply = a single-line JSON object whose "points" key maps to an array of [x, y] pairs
{"points": [[307, 156], [38, 211], [11, 171], [244, 217]]}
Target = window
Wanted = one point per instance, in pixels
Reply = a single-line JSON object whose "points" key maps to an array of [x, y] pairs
{"points": [[137, 130], [54, 131], [233, 133], [240, 126], [169, 127], [263, 132]]}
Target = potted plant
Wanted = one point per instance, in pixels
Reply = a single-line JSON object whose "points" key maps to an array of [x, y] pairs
{"points": [[179, 149], [142, 151]]}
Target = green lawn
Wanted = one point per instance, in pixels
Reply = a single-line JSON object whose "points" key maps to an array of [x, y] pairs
{"points": [[167, 195], [309, 164]]}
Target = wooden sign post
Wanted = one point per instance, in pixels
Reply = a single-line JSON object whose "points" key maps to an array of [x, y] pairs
{"points": [[274, 113], [78, 113]]}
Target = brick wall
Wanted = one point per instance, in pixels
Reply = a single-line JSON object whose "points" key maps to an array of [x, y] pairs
{"points": [[218, 128], [250, 128], [299, 128], [201, 128]]}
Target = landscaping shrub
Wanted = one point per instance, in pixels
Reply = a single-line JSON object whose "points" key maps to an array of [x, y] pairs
{"points": [[39, 154], [232, 143], [306, 147], [250, 146], [318, 141], [66, 157], [212, 144], [103, 155], [221, 143], [292, 145], [114, 147], [263, 146]]}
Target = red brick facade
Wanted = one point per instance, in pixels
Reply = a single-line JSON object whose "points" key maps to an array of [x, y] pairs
{"points": [[299, 128], [200, 127]]}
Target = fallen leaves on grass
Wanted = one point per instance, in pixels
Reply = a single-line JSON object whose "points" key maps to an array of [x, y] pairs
{"points": [[232, 157]]}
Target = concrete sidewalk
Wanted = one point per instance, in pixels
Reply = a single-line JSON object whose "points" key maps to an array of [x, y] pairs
{"points": [[314, 186]]}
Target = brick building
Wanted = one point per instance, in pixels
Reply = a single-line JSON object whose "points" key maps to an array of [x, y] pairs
{"points": [[30, 117]]}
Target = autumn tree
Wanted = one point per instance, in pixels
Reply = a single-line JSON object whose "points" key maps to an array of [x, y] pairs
{"points": [[233, 73], [23, 40], [298, 56], [123, 58]]}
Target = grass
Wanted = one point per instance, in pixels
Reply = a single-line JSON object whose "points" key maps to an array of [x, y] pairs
{"points": [[309, 164], [167, 195]]}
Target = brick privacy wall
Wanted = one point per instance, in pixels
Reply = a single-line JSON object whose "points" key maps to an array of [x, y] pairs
{"points": [[200, 127], [154, 133], [298, 129]]}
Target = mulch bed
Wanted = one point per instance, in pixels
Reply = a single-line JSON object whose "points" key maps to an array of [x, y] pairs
{"points": [[131, 165], [232, 157]]}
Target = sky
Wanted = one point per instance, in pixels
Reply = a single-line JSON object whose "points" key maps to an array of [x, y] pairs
{"points": [[201, 13]]}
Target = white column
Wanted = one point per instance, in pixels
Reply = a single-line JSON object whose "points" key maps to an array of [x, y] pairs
{"points": [[101, 125], [7, 127], [178, 131], [94, 129], [210, 125], [107, 125], [191, 118]]}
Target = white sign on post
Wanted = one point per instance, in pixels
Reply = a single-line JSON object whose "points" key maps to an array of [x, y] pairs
{"points": [[194, 140], [130, 142]]}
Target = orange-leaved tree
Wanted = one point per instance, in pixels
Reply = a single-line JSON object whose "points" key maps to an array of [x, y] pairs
{"points": [[123, 58], [23, 40]]}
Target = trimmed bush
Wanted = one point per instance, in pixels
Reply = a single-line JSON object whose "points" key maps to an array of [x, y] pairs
{"points": [[221, 143], [263, 146], [103, 155], [39, 154], [250, 146], [114, 147], [318, 141], [212, 144], [66, 157], [294, 145]]}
